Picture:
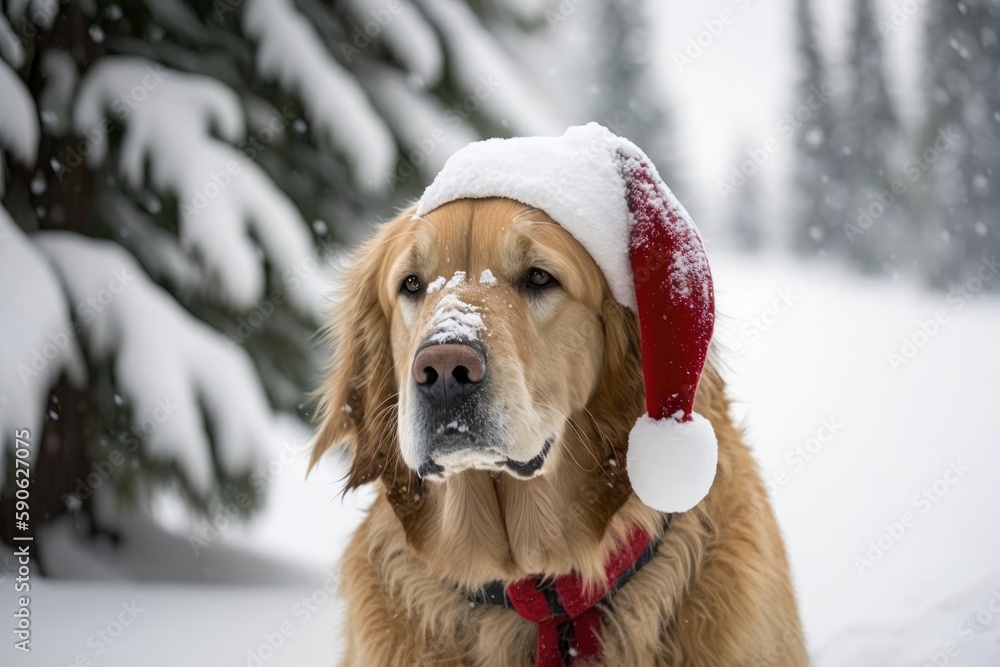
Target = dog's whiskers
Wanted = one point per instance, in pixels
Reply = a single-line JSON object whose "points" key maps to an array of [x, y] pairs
{"points": [[583, 438]]}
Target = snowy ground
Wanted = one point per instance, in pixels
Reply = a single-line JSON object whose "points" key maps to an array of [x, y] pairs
{"points": [[848, 443], [890, 434]]}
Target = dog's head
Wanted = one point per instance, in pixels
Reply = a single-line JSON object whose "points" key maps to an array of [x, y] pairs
{"points": [[481, 339]]}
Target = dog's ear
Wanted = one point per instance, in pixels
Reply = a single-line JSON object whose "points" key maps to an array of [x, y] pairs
{"points": [[357, 401], [617, 401], [620, 393]]}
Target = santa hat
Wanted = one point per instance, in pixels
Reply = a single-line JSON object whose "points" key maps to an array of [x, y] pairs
{"points": [[605, 192]]}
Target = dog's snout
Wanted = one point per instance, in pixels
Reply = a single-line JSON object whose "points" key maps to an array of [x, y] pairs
{"points": [[448, 370]]}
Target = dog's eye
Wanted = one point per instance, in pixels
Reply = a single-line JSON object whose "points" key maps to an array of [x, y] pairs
{"points": [[538, 278], [411, 285]]}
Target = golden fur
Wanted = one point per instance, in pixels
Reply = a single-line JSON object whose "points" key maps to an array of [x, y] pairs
{"points": [[716, 593]]}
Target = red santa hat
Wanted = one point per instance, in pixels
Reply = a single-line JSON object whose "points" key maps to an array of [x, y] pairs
{"points": [[604, 191]]}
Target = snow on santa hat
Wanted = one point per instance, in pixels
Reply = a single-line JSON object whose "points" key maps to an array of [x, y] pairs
{"points": [[604, 191]]}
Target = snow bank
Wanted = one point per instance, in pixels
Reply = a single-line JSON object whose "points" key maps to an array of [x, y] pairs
{"points": [[36, 340], [175, 371], [221, 625], [289, 51], [847, 445], [225, 198]]}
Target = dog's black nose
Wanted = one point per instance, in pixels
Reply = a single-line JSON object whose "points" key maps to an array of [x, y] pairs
{"points": [[448, 371]]}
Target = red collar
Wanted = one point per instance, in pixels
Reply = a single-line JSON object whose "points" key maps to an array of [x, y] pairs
{"points": [[568, 617]]}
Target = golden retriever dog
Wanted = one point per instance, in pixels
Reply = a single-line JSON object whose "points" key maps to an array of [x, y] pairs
{"points": [[486, 381]]}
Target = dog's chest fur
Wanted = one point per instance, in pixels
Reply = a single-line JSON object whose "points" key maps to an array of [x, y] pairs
{"points": [[717, 593]]}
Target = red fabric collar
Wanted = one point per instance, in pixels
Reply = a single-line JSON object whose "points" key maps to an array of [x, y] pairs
{"points": [[568, 617]]}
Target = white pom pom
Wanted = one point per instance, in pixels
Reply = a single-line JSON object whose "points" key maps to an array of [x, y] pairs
{"points": [[671, 464]]}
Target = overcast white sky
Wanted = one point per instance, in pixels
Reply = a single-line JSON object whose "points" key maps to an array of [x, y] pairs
{"points": [[738, 89]]}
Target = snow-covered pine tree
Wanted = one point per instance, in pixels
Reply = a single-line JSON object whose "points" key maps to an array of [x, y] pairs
{"points": [[960, 142], [818, 191], [626, 102], [869, 140], [176, 176]]}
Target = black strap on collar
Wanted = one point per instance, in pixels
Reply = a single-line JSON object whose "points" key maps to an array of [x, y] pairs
{"points": [[495, 592]]}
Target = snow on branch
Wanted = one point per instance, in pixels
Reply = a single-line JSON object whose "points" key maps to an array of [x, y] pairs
{"points": [[404, 32], [484, 71], [420, 121], [226, 200], [530, 11], [18, 117], [290, 51], [155, 247], [176, 372], [37, 339], [10, 45], [41, 12]]}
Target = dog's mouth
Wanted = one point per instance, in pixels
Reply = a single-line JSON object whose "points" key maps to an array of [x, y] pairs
{"points": [[452, 458], [532, 467]]}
